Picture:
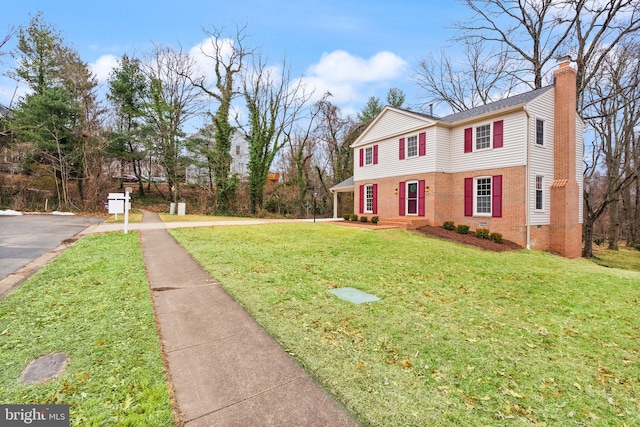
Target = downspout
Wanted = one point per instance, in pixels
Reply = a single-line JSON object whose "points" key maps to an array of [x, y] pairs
{"points": [[528, 179]]}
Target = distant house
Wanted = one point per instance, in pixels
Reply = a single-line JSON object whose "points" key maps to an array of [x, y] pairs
{"points": [[239, 152], [512, 166], [9, 158]]}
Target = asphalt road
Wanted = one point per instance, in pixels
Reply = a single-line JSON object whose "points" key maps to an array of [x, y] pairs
{"points": [[24, 238]]}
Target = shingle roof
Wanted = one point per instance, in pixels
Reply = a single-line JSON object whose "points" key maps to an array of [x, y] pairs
{"points": [[346, 184], [522, 98]]}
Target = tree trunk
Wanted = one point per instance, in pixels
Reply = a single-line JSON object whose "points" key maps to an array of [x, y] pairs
{"points": [[587, 230], [614, 225]]}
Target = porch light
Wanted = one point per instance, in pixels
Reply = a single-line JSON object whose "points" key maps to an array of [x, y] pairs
{"points": [[395, 191], [427, 190]]}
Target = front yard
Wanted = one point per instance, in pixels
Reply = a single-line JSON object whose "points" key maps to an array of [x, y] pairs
{"points": [[459, 337]]}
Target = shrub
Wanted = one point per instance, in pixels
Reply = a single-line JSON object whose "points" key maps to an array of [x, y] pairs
{"points": [[448, 225], [346, 217], [363, 219], [598, 241], [375, 219], [495, 237], [637, 246], [462, 229], [353, 217], [482, 233]]}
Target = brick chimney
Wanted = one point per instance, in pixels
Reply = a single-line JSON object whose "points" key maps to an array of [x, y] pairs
{"points": [[565, 229]]}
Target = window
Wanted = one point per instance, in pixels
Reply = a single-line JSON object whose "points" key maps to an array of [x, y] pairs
{"points": [[237, 150], [412, 146], [483, 196], [368, 156], [483, 137], [539, 194], [539, 132], [368, 198]]}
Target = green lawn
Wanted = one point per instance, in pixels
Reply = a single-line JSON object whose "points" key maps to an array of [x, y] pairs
{"points": [[459, 337], [93, 303]]}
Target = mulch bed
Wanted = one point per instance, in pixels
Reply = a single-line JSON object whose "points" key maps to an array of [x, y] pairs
{"points": [[469, 239], [451, 235]]}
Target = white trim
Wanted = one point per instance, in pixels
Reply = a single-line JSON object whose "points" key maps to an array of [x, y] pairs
{"points": [[367, 188], [406, 146], [406, 197], [475, 196]]}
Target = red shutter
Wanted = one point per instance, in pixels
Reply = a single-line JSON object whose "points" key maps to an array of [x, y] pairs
{"points": [[401, 199], [498, 133], [422, 143], [375, 198], [375, 154], [496, 196], [468, 197], [401, 148], [421, 197], [361, 157], [468, 140], [361, 198]]}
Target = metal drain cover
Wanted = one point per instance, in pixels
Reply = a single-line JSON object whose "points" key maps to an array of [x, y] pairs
{"points": [[354, 295]]}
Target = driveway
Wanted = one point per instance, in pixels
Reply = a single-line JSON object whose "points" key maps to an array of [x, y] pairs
{"points": [[24, 238]]}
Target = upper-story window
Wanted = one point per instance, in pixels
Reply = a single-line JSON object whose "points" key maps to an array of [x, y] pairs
{"points": [[368, 156], [412, 146], [483, 137], [539, 132]]}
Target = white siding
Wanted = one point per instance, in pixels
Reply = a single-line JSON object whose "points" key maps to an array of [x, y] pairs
{"points": [[541, 157], [443, 150], [513, 153], [392, 122], [389, 163]]}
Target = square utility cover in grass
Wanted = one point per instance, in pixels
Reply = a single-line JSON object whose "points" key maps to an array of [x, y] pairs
{"points": [[354, 295]]}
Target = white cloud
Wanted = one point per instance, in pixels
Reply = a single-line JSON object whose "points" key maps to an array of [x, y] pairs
{"points": [[103, 66], [204, 53], [348, 77]]}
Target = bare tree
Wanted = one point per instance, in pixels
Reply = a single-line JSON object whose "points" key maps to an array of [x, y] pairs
{"points": [[173, 100], [613, 103], [274, 101], [337, 133], [228, 55], [483, 77], [536, 33]]}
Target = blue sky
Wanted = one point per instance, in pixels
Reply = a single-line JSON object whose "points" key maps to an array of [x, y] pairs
{"points": [[355, 49]]}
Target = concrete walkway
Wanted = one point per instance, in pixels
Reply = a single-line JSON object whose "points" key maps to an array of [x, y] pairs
{"points": [[225, 370]]}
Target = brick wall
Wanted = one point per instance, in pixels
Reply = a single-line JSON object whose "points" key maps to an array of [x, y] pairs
{"points": [[565, 230]]}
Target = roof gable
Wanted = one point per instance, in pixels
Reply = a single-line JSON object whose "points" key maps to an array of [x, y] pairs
{"points": [[393, 121]]}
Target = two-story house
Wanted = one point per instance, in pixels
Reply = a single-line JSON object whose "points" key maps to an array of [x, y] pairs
{"points": [[512, 166]]}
